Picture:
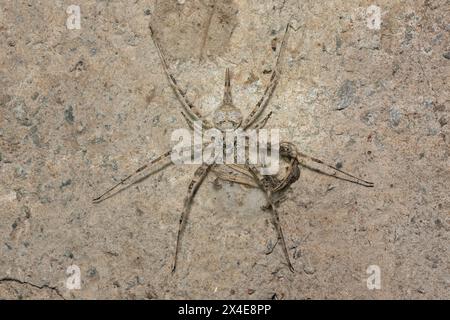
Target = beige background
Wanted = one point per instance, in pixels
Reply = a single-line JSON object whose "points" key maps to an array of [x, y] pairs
{"points": [[79, 109]]}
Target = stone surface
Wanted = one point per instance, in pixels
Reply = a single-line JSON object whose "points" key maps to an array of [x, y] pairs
{"points": [[80, 109]]}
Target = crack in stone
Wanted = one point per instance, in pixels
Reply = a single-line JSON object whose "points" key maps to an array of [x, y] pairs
{"points": [[40, 287]]}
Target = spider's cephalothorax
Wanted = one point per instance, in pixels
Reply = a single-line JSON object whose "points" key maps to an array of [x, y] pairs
{"points": [[227, 116]]}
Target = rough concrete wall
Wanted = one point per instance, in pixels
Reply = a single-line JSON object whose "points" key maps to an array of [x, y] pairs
{"points": [[80, 109]]}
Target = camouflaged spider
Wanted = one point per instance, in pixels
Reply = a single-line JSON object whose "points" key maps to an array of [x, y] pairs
{"points": [[228, 117]]}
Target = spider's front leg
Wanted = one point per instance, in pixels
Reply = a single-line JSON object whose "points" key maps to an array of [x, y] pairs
{"points": [[199, 176], [270, 88], [191, 111]]}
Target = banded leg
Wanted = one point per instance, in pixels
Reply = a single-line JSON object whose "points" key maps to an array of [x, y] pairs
{"points": [[199, 175], [262, 103], [287, 148], [191, 110], [276, 218], [261, 123], [131, 178], [193, 125]]}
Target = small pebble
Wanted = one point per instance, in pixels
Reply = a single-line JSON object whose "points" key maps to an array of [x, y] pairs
{"points": [[92, 272], [66, 183], [20, 172], [369, 118], [309, 269], [155, 120], [21, 114], [394, 117], [68, 254], [346, 94], [68, 115]]}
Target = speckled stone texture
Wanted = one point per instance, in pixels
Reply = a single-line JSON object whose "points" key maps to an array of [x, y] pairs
{"points": [[80, 109]]}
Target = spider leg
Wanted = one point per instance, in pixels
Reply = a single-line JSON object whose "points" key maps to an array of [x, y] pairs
{"points": [[242, 175], [235, 173], [199, 176], [188, 120], [242, 169], [276, 218], [191, 110], [193, 125], [276, 70], [261, 123], [131, 178], [289, 148]]}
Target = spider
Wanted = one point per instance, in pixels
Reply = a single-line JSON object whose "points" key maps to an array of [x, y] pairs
{"points": [[228, 117]]}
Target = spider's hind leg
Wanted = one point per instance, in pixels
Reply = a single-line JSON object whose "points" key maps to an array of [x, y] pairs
{"points": [[199, 176], [133, 178], [288, 149], [276, 219]]}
